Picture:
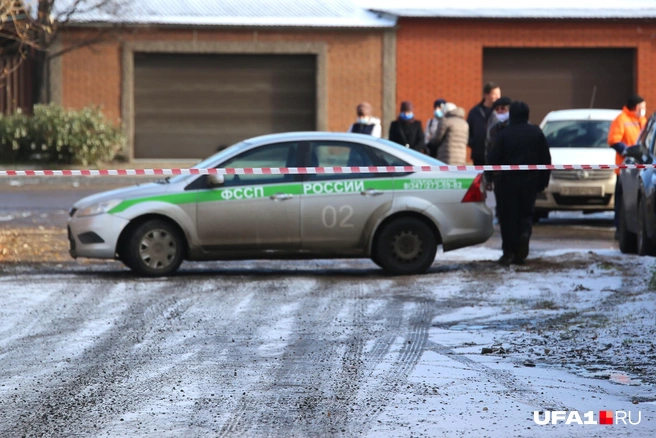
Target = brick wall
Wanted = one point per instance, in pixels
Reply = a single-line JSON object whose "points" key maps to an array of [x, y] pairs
{"points": [[92, 76], [444, 58]]}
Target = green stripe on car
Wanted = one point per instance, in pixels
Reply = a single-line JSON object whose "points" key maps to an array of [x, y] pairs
{"points": [[305, 188]]}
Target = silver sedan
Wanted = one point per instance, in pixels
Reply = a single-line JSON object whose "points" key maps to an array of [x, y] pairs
{"points": [[398, 220]]}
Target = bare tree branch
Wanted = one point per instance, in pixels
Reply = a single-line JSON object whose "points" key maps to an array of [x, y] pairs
{"points": [[29, 28]]}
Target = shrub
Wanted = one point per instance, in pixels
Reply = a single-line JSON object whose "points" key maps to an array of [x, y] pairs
{"points": [[57, 135], [15, 132]]}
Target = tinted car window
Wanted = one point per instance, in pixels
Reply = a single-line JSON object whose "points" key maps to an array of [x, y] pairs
{"points": [[275, 155], [385, 159], [577, 133], [339, 154]]}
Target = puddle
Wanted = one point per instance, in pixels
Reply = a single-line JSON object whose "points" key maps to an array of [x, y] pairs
{"points": [[511, 324], [605, 373], [462, 327]]}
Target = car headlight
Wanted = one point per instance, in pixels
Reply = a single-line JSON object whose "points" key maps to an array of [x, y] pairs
{"points": [[99, 208]]}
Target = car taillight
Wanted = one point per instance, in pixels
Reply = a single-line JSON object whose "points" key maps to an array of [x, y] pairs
{"points": [[476, 192]]}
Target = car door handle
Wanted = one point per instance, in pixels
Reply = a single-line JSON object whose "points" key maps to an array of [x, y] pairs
{"points": [[371, 192], [281, 197]]}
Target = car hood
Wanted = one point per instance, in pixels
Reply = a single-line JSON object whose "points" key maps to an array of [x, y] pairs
{"points": [[123, 193], [582, 155]]}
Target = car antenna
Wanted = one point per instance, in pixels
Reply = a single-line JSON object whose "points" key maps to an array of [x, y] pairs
{"points": [[594, 94]]}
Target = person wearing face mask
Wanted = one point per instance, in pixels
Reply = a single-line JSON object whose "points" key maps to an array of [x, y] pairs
{"points": [[366, 124], [433, 122], [449, 144], [406, 130], [499, 119], [624, 132], [524, 144]]}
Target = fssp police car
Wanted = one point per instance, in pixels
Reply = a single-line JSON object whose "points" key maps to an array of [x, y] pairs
{"points": [[397, 220]]}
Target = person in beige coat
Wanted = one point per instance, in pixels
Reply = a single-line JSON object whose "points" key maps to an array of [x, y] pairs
{"points": [[450, 141]]}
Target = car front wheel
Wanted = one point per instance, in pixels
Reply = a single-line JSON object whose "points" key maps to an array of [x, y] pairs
{"points": [[405, 246], [155, 248]]}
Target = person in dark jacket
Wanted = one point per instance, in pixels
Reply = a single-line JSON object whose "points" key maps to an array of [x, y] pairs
{"points": [[478, 118], [406, 130], [433, 122], [499, 119], [519, 143]]}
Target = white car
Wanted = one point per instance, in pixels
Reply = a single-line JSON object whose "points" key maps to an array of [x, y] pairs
{"points": [[578, 136], [396, 219]]}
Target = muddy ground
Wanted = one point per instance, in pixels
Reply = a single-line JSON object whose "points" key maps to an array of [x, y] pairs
{"points": [[323, 348], [326, 347]]}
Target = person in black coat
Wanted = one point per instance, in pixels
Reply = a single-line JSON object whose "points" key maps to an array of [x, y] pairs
{"points": [[519, 143], [478, 122], [407, 131]]}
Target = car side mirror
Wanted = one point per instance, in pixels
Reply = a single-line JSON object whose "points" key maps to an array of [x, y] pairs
{"points": [[634, 152], [215, 180]]}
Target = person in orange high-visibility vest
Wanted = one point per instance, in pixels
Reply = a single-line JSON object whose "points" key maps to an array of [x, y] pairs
{"points": [[624, 132]]}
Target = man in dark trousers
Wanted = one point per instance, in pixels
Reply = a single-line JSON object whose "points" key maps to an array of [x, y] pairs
{"points": [[519, 143], [478, 118]]}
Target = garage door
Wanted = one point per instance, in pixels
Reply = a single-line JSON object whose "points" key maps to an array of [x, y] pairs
{"points": [[553, 79], [187, 106]]}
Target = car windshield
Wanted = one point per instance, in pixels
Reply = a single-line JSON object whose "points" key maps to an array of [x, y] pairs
{"points": [[208, 162], [427, 158], [577, 133]]}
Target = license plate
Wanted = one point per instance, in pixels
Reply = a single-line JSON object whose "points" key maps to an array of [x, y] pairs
{"points": [[582, 191]]}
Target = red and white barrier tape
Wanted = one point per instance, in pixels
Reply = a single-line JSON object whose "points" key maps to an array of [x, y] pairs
{"points": [[320, 170]]}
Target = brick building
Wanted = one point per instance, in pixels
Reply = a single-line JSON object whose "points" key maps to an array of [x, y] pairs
{"points": [[188, 77], [553, 55]]}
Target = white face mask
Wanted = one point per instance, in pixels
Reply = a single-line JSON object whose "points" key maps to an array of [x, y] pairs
{"points": [[502, 117], [642, 112], [364, 120]]}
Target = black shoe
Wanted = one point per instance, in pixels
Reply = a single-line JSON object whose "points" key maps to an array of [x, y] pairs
{"points": [[518, 261], [522, 251], [506, 260]]}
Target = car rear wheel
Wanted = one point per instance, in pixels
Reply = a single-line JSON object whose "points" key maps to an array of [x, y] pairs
{"points": [[627, 239], [405, 246], [644, 244], [155, 248]]}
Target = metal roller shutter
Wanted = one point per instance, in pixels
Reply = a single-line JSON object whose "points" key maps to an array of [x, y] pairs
{"points": [[186, 106], [553, 79]]}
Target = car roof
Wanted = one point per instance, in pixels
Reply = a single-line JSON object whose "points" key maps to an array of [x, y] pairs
{"points": [[409, 156], [582, 114], [307, 135]]}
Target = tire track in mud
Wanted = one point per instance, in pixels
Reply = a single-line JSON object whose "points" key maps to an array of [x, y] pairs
{"points": [[415, 325], [514, 388], [334, 413], [293, 394], [261, 311], [378, 393], [110, 373], [76, 403]]}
